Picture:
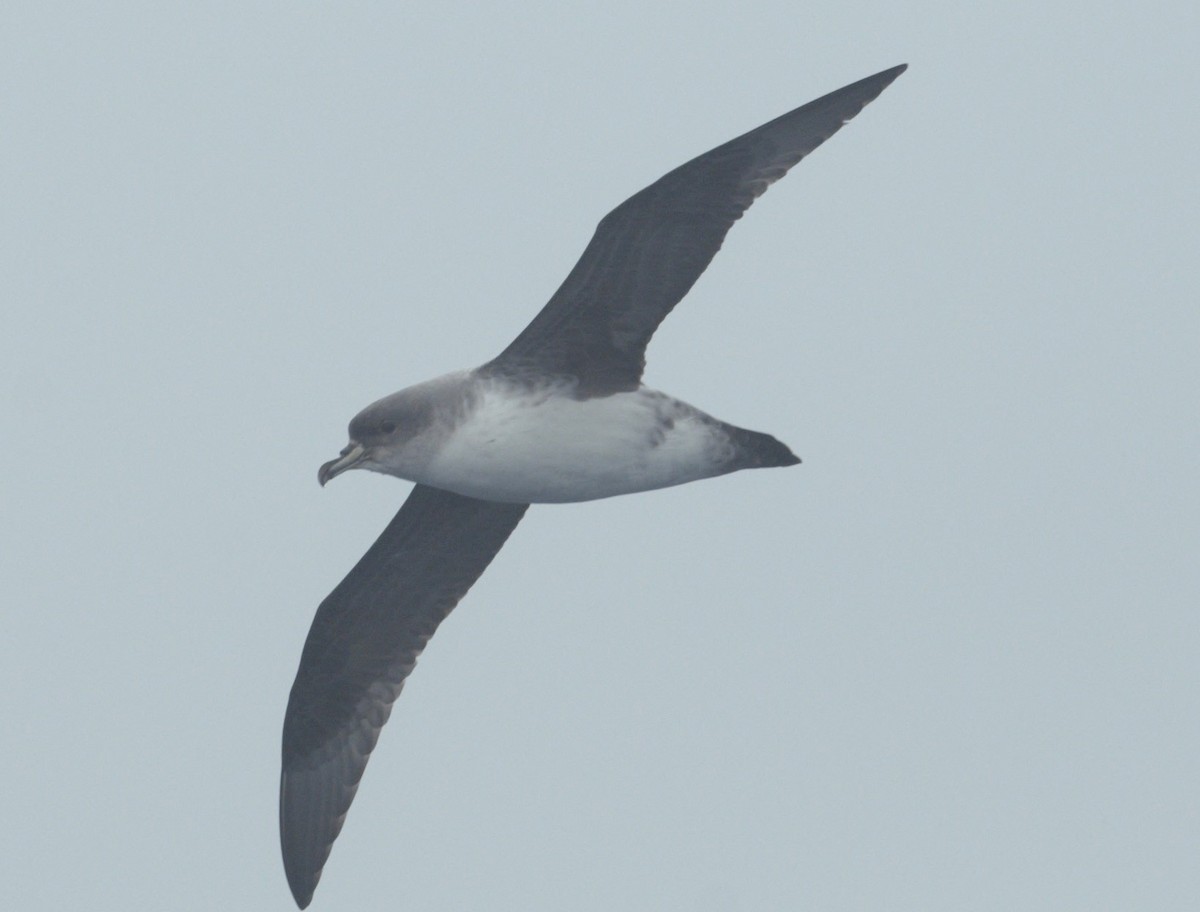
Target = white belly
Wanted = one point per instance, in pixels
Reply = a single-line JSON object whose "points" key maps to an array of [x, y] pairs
{"points": [[550, 448]]}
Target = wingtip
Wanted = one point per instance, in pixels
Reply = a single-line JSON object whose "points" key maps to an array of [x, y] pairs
{"points": [[864, 91], [302, 888], [301, 878], [890, 74]]}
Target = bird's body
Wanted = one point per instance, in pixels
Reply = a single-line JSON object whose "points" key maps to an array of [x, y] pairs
{"points": [[560, 415], [505, 440]]}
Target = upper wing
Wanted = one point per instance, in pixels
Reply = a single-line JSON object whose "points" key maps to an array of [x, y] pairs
{"points": [[647, 253], [364, 641]]}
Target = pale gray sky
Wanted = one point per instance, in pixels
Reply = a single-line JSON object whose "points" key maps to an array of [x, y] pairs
{"points": [[950, 662]]}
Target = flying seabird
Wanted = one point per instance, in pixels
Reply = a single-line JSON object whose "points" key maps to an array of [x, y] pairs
{"points": [[559, 416]]}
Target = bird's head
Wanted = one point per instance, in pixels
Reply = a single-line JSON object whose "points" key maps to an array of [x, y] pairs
{"points": [[376, 434]]}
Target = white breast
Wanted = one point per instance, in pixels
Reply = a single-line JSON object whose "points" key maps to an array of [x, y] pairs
{"points": [[546, 447]]}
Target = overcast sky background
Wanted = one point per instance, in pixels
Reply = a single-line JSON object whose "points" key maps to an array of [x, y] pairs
{"points": [[950, 662]]}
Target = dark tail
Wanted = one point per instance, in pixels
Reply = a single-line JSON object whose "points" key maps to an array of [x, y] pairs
{"points": [[759, 451]]}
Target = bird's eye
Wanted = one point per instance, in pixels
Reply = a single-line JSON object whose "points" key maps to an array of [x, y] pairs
{"points": [[388, 427]]}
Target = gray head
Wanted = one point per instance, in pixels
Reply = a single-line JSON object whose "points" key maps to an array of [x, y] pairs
{"points": [[390, 435], [377, 433]]}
